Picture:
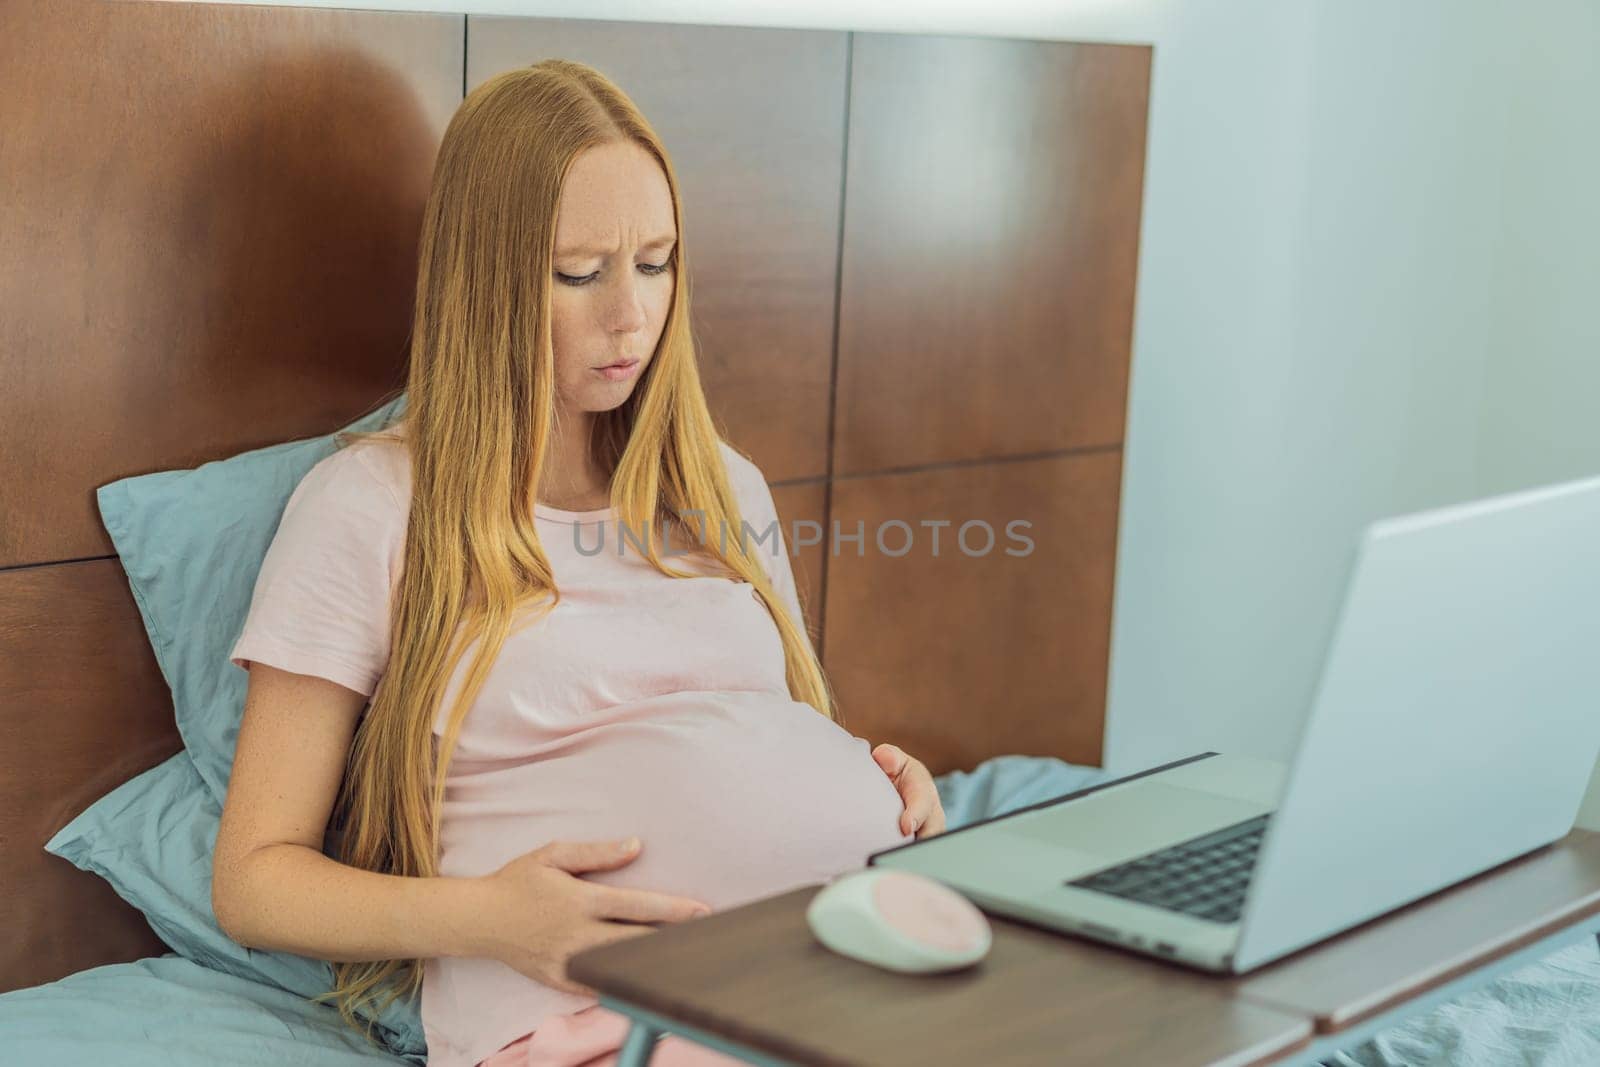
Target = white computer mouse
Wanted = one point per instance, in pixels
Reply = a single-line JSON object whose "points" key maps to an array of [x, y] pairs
{"points": [[899, 921]]}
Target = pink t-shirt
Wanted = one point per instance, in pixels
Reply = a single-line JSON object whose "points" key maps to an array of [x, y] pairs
{"points": [[642, 705]]}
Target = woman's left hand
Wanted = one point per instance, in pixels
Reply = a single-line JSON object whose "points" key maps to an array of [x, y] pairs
{"points": [[923, 812]]}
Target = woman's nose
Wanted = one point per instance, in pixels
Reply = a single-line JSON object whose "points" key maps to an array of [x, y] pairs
{"points": [[626, 312]]}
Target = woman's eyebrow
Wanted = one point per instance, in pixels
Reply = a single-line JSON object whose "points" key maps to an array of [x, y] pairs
{"points": [[657, 242]]}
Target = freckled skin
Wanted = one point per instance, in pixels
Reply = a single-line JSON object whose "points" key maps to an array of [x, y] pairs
{"points": [[616, 197]]}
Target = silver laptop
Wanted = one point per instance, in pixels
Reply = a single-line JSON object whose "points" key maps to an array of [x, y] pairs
{"points": [[1455, 727]]}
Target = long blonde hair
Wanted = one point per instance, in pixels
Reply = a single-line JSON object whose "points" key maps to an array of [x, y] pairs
{"points": [[478, 418]]}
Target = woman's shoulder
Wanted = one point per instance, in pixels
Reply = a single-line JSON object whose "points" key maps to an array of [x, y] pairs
{"points": [[371, 468], [383, 461], [746, 479], [742, 470]]}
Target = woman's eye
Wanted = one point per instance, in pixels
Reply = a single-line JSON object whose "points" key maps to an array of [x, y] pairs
{"points": [[649, 268]]}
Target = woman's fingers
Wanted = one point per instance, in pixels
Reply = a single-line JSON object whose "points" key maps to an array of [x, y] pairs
{"points": [[893, 760], [922, 808], [923, 813], [645, 906]]}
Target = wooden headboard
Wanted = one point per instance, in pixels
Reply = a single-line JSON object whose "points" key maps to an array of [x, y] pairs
{"points": [[914, 277]]}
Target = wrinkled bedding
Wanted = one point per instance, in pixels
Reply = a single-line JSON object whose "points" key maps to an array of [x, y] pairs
{"points": [[167, 1011], [1546, 1014]]}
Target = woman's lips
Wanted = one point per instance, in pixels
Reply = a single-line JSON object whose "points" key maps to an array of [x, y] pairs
{"points": [[616, 372]]}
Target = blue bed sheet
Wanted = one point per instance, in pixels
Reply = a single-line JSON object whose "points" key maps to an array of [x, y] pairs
{"points": [[168, 1011]]}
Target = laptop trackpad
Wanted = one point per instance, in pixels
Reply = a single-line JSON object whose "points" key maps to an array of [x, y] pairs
{"points": [[1128, 821]]}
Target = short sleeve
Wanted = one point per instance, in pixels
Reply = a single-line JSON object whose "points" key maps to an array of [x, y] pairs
{"points": [[321, 600], [766, 535]]}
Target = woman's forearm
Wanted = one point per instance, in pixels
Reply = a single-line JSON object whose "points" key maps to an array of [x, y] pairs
{"points": [[292, 898]]}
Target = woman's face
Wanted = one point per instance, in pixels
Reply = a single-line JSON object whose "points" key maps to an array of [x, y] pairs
{"points": [[613, 279]]}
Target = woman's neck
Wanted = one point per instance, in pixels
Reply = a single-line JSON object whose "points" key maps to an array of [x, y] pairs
{"points": [[573, 479]]}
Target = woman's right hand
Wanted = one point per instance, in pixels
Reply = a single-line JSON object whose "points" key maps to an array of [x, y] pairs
{"points": [[540, 914]]}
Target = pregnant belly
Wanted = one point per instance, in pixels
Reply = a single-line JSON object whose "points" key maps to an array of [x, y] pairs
{"points": [[734, 797]]}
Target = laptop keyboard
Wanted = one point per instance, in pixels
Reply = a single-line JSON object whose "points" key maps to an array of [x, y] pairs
{"points": [[1206, 877]]}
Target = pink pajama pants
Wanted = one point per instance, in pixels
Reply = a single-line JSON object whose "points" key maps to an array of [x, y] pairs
{"points": [[592, 1038]]}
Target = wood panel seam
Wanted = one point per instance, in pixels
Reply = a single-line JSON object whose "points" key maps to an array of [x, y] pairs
{"points": [[833, 368], [951, 464]]}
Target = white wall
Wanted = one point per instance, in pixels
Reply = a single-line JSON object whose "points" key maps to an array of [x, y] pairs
{"points": [[1313, 326], [1541, 417], [1369, 233]]}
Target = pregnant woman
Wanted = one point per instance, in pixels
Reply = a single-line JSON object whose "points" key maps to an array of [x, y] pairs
{"points": [[547, 611]]}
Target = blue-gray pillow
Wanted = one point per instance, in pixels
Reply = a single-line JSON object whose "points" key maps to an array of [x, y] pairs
{"points": [[152, 839], [1002, 784], [192, 542]]}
